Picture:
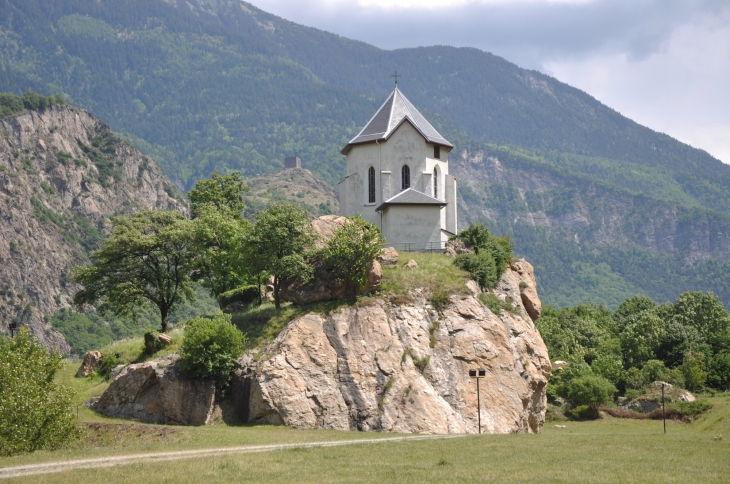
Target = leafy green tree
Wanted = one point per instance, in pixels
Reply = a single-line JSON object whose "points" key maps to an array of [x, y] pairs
{"points": [[210, 349], [609, 366], [693, 370], [641, 337], [147, 258], [220, 263], [719, 371], [351, 248], [222, 191], [706, 313], [279, 240], [630, 307], [591, 390], [35, 413]]}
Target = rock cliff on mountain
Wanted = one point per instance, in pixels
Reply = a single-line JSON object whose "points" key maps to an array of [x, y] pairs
{"points": [[63, 175], [404, 367]]}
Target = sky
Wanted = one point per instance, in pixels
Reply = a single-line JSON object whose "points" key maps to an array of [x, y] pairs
{"points": [[663, 63]]}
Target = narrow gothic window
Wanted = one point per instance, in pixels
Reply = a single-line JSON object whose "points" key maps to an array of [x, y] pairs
{"points": [[371, 185], [435, 182], [405, 176], [437, 152]]}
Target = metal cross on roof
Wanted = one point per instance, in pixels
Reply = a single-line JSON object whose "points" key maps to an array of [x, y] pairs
{"points": [[395, 76]]}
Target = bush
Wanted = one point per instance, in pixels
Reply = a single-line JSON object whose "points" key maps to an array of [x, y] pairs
{"points": [[210, 349], [591, 390], [492, 302], [35, 413], [490, 258], [481, 267], [245, 295], [440, 300], [152, 342], [691, 410]]}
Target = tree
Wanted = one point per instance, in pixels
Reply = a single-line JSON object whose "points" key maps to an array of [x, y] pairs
{"points": [[35, 413], [223, 192], [147, 258], [220, 263], [641, 337], [591, 390], [279, 240], [706, 313], [351, 248], [210, 349]]}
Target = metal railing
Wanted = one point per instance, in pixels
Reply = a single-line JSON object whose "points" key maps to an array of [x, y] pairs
{"points": [[418, 246]]}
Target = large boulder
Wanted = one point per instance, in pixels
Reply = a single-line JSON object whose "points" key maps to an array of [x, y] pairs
{"points": [[90, 363], [402, 368], [158, 392]]}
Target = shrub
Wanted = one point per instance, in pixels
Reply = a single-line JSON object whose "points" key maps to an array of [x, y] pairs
{"points": [[245, 295], [692, 410], [481, 267], [152, 342], [439, 300], [490, 258], [492, 302], [107, 364], [591, 390], [35, 413], [210, 349]]}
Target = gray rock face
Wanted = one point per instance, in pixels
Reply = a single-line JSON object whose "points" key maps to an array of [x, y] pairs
{"points": [[402, 368], [157, 392], [51, 196]]}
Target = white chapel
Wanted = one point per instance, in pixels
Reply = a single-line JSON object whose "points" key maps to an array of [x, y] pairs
{"points": [[398, 177]]}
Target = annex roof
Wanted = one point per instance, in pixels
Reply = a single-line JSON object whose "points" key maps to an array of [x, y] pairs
{"points": [[394, 111], [411, 196]]}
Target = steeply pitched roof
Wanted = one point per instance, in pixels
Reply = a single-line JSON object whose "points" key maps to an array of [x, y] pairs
{"points": [[411, 196], [390, 115]]}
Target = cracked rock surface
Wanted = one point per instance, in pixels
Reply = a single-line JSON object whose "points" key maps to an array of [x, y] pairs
{"points": [[405, 368]]}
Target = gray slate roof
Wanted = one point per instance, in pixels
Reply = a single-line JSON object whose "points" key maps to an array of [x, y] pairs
{"points": [[390, 115], [411, 196]]}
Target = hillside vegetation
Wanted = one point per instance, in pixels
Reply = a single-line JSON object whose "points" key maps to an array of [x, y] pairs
{"points": [[219, 85]]}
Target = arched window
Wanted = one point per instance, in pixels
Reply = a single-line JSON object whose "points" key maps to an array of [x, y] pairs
{"points": [[405, 177], [371, 185], [435, 182]]}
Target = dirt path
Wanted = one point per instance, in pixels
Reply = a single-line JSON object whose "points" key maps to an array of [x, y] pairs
{"points": [[50, 467]]}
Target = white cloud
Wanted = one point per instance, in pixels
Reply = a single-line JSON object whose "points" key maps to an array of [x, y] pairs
{"points": [[663, 63]]}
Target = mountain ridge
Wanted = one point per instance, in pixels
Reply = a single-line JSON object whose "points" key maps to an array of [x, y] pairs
{"points": [[207, 85]]}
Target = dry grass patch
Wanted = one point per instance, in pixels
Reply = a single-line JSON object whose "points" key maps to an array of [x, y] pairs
{"points": [[435, 272]]}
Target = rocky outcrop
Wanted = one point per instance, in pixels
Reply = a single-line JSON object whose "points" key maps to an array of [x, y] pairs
{"points": [[157, 392], [525, 275], [63, 175], [402, 368], [90, 363], [325, 286]]}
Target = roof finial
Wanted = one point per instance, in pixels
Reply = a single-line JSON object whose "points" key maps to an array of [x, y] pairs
{"points": [[395, 76]]}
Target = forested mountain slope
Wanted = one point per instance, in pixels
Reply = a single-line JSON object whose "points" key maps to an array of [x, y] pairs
{"points": [[206, 85]]}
